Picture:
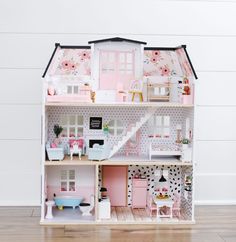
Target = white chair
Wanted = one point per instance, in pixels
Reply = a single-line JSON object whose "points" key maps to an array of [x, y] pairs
{"points": [[75, 149]]}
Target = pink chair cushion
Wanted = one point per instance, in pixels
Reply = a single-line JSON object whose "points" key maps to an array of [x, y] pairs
{"points": [[80, 142], [53, 145]]}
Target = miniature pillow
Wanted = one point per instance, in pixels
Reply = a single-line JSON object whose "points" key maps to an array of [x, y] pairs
{"points": [[53, 145], [71, 142], [80, 142]]}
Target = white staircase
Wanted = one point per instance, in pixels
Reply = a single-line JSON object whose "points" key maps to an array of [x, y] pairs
{"points": [[133, 130]]}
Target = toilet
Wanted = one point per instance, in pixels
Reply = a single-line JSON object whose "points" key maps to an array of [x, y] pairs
{"points": [[86, 208]]}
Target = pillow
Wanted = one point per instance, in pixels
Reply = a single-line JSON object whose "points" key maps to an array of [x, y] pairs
{"points": [[80, 142], [53, 145]]}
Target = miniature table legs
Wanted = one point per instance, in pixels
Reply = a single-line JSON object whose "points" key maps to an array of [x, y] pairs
{"points": [[49, 209], [79, 152], [140, 94]]}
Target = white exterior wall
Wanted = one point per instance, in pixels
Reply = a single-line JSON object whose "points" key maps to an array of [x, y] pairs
{"points": [[28, 31]]}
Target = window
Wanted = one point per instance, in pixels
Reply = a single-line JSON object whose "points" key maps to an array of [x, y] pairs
{"points": [[115, 127], [72, 89], [72, 126], [116, 67], [68, 181], [107, 62], [126, 63], [159, 127]]}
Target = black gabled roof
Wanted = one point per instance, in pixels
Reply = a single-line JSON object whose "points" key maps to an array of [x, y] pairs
{"points": [[75, 46], [165, 48], [116, 39], [173, 49], [53, 53], [63, 47]]}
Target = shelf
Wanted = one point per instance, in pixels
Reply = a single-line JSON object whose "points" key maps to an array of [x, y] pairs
{"points": [[120, 160], [118, 104], [164, 98]]}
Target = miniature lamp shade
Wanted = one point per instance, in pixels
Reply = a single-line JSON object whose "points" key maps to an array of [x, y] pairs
{"points": [[162, 188], [103, 191]]}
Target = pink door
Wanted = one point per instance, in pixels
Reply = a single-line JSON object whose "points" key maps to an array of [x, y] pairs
{"points": [[116, 68], [115, 180]]}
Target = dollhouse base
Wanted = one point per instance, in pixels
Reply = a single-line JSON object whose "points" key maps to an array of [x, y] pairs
{"points": [[69, 214], [119, 215]]}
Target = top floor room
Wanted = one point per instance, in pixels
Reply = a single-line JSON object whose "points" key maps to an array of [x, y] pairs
{"points": [[118, 70]]}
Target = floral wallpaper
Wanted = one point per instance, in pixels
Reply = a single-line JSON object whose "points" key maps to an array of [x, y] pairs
{"points": [[166, 63], [159, 63], [184, 63], [74, 62]]}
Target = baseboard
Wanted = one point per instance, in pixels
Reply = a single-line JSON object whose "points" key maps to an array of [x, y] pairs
{"points": [[215, 202]]}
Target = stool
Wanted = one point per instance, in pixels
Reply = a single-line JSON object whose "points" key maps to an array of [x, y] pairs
{"points": [[49, 205], [139, 93]]}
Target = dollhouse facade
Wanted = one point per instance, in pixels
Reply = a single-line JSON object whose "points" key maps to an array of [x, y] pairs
{"points": [[118, 134]]}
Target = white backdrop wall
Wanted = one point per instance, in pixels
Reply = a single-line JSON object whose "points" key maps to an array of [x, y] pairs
{"points": [[28, 31]]}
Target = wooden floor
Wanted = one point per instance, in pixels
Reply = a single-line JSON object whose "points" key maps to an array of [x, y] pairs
{"points": [[213, 224], [129, 214]]}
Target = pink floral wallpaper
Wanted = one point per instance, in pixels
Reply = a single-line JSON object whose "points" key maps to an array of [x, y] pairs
{"points": [[184, 63], [166, 63], [74, 62], [158, 63]]}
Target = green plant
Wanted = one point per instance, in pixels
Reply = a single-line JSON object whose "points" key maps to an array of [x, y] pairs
{"points": [[185, 141], [105, 127], [57, 130]]}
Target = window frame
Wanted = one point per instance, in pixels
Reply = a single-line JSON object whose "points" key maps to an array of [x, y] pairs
{"points": [[76, 126], [158, 130], [116, 127], [67, 180], [73, 87]]}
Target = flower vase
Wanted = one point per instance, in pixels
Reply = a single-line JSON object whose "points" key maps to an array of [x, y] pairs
{"points": [[187, 99], [184, 146], [106, 132]]}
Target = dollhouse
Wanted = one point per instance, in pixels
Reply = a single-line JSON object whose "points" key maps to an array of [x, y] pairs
{"points": [[117, 134]]}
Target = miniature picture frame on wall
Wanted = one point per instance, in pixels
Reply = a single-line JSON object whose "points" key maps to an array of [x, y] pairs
{"points": [[95, 123]]}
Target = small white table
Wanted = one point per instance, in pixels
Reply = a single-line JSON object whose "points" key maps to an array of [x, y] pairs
{"points": [[161, 203]]}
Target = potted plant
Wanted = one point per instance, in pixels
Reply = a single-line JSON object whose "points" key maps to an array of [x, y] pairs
{"points": [[57, 131], [105, 129], [185, 142]]}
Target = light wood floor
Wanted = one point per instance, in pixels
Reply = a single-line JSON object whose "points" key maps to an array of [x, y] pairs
{"points": [[213, 224]]}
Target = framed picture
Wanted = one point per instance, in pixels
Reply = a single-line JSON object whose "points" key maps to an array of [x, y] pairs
{"points": [[95, 123]]}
